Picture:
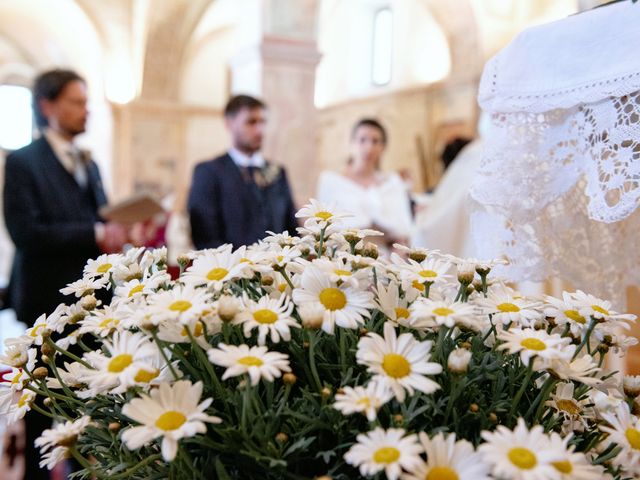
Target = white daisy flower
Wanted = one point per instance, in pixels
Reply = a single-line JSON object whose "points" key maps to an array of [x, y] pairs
{"points": [[102, 266], [574, 465], [389, 301], [54, 443], [84, 286], [565, 312], [175, 332], [14, 404], [583, 369], [103, 322], [575, 412], [631, 385], [417, 274], [344, 306], [17, 352], [363, 400], [535, 343], [341, 271], [389, 450], [317, 213], [521, 454], [507, 307], [172, 412], [624, 430], [445, 313], [590, 306], [135, 289], [70, 377], [40, 327], [129, 354], [257, 362], [17, 378], [400, 363], [458, 360], [185, 304], [448, 460], [270, 316], [216, 267]]}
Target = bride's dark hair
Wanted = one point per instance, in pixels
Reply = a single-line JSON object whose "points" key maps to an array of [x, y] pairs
{"points": [[368, 122]]}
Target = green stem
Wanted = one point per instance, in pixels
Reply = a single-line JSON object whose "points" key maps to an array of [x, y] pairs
{"points": [[164, 355], [283, 272], [84, 462], [205, 361], [41, 410], [343, 350], [312, 359], [541, 398], [70, 355], [128, 473], [523, 387], [585, 340]]}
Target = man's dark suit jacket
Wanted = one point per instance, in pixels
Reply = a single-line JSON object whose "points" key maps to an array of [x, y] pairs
{"points": [[225, 208], [50, 219]]}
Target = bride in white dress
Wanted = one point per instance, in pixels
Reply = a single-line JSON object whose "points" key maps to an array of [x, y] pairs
{"points": [[377, 199]]}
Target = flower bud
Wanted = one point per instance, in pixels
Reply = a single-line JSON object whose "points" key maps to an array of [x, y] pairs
{"points": [[47, 402], [458, 361], [47, 349], [267, 281], [324, 477], [398, 419], [45, 358], [312, 315], [40, 373], [183, 260], [631, 385], [370, 250], [282, 437], [289, 379], [635, 407], [493, 418], [228, 307], [474, 407], [466, 273], [417, 256], [88, 302], [325, 392]]}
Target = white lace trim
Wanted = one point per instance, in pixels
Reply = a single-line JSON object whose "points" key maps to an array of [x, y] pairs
{"points": [[557, 192]]}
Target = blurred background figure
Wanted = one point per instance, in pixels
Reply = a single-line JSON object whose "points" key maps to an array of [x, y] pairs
{"points": [[377, 199]]}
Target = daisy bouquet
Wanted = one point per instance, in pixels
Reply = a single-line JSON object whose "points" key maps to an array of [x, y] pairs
{"points": [[310, 357]]}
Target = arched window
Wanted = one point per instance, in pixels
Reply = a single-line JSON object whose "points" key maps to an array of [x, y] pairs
{"points": [[382, 46], [16, 117]]}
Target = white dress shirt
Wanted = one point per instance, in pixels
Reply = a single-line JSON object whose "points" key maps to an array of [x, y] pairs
{"points": [[243, 160], [68, 155]]}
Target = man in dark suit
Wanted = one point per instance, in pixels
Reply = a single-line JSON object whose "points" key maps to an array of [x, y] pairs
{"points": [[52, 194], [238, 196]]}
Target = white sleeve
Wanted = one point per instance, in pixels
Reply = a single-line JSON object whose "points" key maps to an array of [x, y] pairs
{"points": [[395, 208]]}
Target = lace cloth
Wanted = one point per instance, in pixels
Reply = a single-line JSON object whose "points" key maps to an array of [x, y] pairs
{"points": [[559, 183]]}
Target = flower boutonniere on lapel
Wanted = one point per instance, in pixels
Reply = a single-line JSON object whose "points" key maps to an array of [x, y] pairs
{"points": [[267, 175]]}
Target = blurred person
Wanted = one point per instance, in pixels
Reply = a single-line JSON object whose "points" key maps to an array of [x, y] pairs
{"points": [[377, 199], [237, 196], [52, 194]]}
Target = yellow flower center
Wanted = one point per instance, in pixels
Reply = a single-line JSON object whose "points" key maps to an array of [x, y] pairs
{"points": [[402, 312], [386, 455], [575, 316], [598, 308], [563, 467], [442, 473], [568, 406], [180, 306], [395, 365], [217, 274], [265, 316], [250, 361], [442, 311], [633, 436], [333, 298], [136, 289], [120, 362], [324, 215], [245, 260], [344, 273], [282, 287], [170, 420], [428, 273], [16, 379], [280, 258], [417, 285], [34, 330], [197, 331], [145, 376], [366, 401], [23, 400], [508, 307], [533, 344], [107, 322], [104, 268], [522, 458]]}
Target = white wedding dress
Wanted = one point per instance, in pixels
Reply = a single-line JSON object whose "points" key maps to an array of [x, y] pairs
{"points": [[385, 204]]}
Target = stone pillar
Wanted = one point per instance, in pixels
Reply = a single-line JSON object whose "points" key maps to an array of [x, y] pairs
{"points": [[281, 70]]}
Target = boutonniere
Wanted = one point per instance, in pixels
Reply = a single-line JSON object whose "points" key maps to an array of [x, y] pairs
{"points": [[267, 175]]}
